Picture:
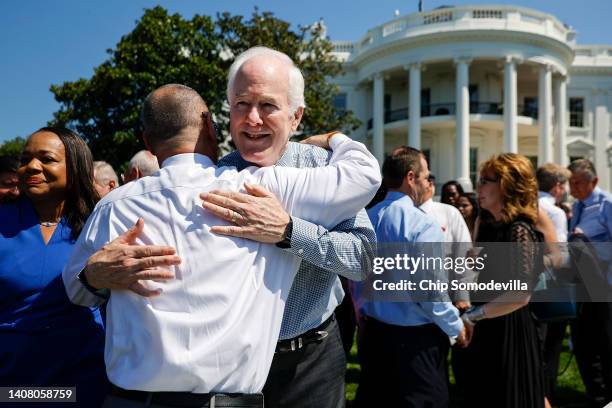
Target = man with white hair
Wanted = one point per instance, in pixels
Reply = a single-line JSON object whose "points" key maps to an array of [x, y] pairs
{"points": [[142, 164], [105, 178], [309, 364], [212, 332]]}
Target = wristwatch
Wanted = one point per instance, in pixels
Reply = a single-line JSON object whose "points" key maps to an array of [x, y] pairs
{"points": [[286, 242], [103, 293]]}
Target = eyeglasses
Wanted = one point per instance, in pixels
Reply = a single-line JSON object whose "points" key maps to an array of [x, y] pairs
{"points": [[483, 181]]}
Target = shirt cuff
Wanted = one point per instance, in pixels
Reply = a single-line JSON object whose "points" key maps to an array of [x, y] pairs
{"points": [[302, 233]]}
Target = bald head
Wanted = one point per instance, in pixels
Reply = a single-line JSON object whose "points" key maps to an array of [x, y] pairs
{"points": [[173, 112]]}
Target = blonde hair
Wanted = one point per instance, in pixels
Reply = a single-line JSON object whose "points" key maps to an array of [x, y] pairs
{"points": [[518, 185]]}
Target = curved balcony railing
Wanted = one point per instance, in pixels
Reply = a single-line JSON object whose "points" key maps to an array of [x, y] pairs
{"points": [[432, 109], [442, 109], [487, 108], [499, 17]]}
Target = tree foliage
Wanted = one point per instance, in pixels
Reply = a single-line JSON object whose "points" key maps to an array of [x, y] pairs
{"points": [[12, 147], [161, 49], [312, 53], [197, 52]]}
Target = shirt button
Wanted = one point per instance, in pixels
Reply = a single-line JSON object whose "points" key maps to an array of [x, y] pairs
{"points": [[300, 251]]}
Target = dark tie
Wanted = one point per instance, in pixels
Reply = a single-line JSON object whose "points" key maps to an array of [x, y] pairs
{"points": [[578, 213]]}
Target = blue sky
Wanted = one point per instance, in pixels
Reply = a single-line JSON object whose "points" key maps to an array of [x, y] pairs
{"points": [[48, 42]]}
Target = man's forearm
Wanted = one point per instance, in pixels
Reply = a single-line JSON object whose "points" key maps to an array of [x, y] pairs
{"points": [[347, 250]]}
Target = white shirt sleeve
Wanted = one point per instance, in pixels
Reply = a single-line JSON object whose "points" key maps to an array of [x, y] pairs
{"points": [[559, 219], [92, 236], [327, 195]]}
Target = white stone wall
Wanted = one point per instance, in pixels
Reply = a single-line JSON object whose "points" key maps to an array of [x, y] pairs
{"points": [[486, 36]]}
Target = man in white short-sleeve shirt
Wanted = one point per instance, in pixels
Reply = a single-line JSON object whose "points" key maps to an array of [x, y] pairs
{"points": [[456, 237], [553, 185], [215, 327]]}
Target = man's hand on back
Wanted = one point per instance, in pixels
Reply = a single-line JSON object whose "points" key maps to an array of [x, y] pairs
{"points": [[121, 263], [320, 140], [258, 216]]}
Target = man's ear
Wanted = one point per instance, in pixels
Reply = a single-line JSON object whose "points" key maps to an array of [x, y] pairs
{"points": [[595, 181], [297, 118], [210, 137], [112, 184], [410, 176]]}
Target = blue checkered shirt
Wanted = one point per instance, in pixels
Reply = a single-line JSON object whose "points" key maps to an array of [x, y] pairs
{"points": [[346, 250]]}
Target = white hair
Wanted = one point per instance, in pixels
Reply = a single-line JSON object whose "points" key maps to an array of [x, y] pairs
{"points": [[296, 79], [145, 162], [103, 173]]}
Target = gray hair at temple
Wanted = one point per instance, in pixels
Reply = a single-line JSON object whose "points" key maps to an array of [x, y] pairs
{"points": [[583, 166], [296, 79], [172, 110], [145, 162], [104, 172]]}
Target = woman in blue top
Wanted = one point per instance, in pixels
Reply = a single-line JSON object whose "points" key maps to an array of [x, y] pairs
{"points": [[44, 339]]}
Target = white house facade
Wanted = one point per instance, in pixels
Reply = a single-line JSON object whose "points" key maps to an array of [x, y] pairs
{"points": [[464, 83]]}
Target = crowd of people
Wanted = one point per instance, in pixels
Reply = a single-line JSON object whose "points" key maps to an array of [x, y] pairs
{"points": [[193, 280]]}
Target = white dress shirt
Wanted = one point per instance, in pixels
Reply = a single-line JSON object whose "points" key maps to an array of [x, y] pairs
{"points": [[214, 328], [450, 219], [556, 214], [457, 237]]}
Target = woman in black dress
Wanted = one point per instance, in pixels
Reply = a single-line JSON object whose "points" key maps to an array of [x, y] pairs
{"points": [[504, 355]]}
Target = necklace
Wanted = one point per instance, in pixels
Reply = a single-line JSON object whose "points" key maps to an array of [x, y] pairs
{"points": [[49, 224]]}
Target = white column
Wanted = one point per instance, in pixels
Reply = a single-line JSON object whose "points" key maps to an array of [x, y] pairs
{"points": [[378, 124], [561, 120], [601, 138], [414, 116], [545, 115], [462, 137], [510, 114]]}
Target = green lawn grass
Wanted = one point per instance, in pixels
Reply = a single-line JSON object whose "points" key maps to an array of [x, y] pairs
{"points": [[570, 389]]}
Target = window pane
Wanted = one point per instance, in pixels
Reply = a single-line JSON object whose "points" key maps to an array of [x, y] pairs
{"points": [[576, 109], [473, 164]]}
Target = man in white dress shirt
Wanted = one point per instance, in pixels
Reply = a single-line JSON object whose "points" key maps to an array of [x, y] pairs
{"points": [[553, 186], [215, 328], [456, 237], [553, 182]]}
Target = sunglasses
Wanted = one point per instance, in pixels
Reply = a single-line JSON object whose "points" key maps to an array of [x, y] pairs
{"points": [[483, 181]]}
